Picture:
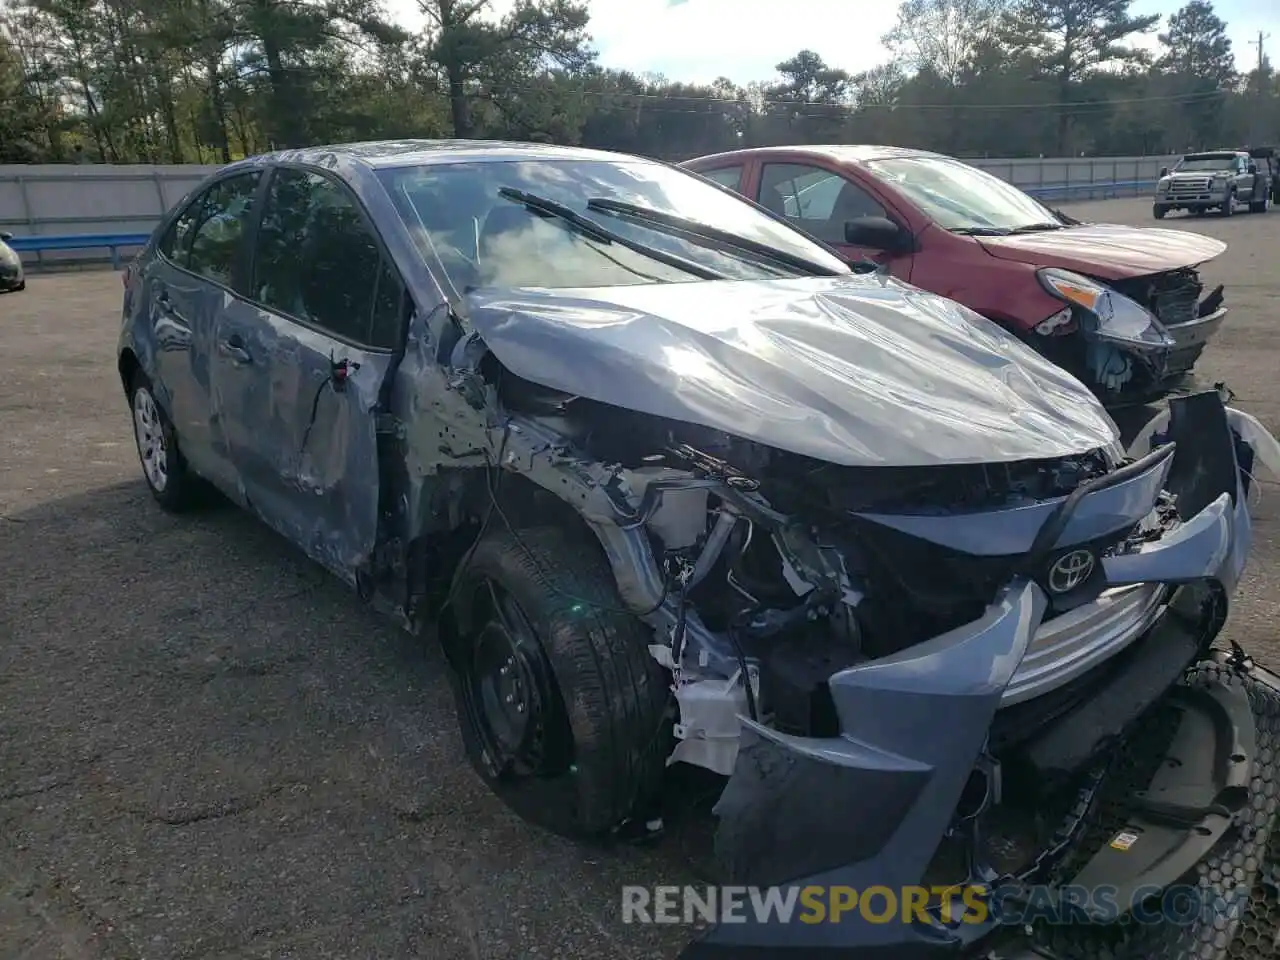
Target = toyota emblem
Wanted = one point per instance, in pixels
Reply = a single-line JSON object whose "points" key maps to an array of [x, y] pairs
{"points": [[1070, 570]]}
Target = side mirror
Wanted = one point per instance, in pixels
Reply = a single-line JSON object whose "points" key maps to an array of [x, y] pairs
{"points": [[1253, 168], [1164, 171], [5, 236], [877, 233]]}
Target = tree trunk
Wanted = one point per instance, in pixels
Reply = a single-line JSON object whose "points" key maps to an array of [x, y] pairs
{"points": [[219, 110], [458, 102]]}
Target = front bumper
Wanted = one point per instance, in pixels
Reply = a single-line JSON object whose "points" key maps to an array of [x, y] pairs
{"points": [[869, 808], [1190, 339]]}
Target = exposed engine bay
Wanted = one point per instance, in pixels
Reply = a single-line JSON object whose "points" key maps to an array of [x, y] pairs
{"points": [[774, 553]]}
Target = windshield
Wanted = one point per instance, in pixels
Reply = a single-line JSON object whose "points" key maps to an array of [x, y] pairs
{"points": [[458, 212], [1191, 164], [959, 197]]}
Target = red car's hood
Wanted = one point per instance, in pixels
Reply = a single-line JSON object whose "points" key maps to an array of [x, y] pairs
{"points": [[1107, 250]]}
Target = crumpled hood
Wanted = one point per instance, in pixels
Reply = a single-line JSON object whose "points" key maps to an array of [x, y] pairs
{"points": [[858, 370], [1107, 250]]}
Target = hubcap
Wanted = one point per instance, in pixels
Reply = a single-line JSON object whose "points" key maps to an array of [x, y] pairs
{"points": [[511, 700], [149, 432]]}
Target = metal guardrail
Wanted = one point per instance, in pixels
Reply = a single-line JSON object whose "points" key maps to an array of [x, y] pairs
{"points": [[1106, 188], [114, 242], [80, 241]]}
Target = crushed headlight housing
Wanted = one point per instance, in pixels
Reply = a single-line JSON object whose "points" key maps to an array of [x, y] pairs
{"points": [[1058, 322], [1105, 314]]}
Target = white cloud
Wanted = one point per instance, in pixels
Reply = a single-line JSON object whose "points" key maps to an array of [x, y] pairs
{"points": [[700, 40]]}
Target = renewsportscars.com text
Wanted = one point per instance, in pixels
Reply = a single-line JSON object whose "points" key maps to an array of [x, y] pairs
{"points": [[963, 904]]}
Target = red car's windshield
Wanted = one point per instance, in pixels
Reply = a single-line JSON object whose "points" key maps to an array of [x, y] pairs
{"points": [[959, 197]]}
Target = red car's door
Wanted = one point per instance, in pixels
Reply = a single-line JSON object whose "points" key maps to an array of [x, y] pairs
{"points": [[821, 200]]}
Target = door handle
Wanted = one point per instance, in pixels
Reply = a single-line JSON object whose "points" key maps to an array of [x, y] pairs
{"points": [[234, 348]]}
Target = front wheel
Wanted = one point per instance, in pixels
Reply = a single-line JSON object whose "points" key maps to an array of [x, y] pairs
{"points": [[1229, 208], [1158, 211], [562, 708]]}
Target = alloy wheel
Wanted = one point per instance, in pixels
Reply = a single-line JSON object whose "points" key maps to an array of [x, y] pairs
{"points": [[148, 431]]}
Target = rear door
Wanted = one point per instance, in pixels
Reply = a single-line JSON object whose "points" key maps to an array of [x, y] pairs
{"points": [[820, 201], [300, 362], [185, 289]]}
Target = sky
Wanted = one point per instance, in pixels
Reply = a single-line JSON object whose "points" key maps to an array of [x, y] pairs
{"points": [[699, 40]]}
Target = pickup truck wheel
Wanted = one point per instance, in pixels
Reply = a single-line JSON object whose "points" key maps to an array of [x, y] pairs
{"points": [[562, 708], [1261, 206], [163, 466], [1158, 211], [1229, 208]]}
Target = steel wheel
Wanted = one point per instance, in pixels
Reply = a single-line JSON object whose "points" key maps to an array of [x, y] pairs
{"points": [[511, 700], [153, 446]]}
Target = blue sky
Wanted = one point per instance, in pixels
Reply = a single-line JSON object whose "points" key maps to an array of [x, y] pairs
{"points": [[699, 40]]}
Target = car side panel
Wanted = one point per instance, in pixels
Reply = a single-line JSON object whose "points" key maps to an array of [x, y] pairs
{"points": [[303, 444], [179, 312]]}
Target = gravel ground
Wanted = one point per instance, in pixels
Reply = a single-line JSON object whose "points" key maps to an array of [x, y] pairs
{"points": [[209, 749]]}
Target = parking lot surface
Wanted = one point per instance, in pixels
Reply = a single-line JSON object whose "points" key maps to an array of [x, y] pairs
{"points": [[208, 748]]}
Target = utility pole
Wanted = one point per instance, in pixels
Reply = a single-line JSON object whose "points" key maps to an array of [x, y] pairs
{"points": [[1256, 120], [1262, 59]]}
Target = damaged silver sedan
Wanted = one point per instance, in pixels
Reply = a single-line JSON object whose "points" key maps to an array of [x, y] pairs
{"points": [[678, 487]]}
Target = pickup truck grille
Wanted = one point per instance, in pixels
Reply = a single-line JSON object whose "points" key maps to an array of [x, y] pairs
{"points": [[1188, 187]]}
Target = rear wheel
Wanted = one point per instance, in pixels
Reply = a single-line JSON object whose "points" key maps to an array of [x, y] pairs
{"points": [[1261, 206], [562, 708], [163, 466]]}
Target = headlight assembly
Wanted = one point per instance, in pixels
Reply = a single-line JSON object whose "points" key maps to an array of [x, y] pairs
{"points": [[1105, 313]]}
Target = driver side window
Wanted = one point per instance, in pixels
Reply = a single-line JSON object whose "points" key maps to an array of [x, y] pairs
{"points": [[816, 201]]}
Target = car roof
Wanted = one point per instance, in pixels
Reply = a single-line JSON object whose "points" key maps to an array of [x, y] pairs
{"points": [[1214, 155], [403, 153], [840, 152]]}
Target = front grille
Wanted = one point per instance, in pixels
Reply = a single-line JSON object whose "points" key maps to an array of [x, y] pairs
{"points": [[1179, 188], [1177, 303], [1174, 297]]}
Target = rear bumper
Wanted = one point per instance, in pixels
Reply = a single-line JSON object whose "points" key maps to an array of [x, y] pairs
{"points": [[869, 808]]}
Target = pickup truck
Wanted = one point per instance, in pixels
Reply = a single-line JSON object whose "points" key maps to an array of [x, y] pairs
{"points": [[1219, 179]]}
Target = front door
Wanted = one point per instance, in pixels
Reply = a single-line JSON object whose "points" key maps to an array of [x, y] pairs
{"points": [[820, 202], [300, 362]]}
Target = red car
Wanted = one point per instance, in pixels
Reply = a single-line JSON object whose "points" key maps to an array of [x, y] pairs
{"points": [[1120, 307]]}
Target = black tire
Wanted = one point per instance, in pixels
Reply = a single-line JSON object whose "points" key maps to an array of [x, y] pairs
{"points": [[1261, 206], [176, 490], [595, 756], [1229, 208], [1158, 211]]}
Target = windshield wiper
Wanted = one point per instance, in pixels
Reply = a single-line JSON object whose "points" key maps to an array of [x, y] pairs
{"points": [[601, 234], [1037, 227], [980, 231], [711, 237]]}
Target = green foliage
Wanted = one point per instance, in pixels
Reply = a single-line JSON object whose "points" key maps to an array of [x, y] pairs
{"points": [[167, 81]]}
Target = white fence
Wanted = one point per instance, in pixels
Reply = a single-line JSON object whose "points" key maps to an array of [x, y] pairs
{"points": [[61, 199]]}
